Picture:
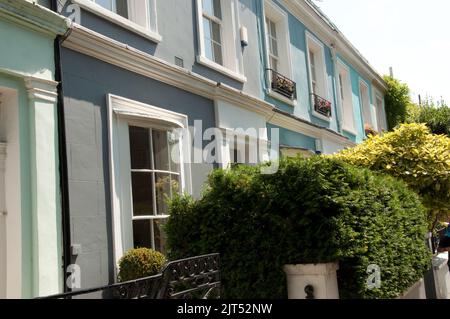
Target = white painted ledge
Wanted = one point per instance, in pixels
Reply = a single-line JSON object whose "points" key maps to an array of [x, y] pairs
{"points": [[119, 20], [320, 116], [281, 98], [219, 68]]}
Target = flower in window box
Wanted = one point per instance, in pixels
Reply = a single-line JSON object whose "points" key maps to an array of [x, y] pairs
{"points": [[284, 84], [369, 130]]}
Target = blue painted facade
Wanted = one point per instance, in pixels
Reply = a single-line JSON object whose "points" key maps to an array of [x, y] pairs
{"points": [[105, 54], [301, 75]]}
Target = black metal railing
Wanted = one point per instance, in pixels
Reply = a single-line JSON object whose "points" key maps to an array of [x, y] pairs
{"points": [[282, 84], [190, 278], [321, 105]]}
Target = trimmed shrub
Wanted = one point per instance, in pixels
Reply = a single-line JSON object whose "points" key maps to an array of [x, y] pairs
{"points": [[314, 210], [415, 155], [140, 263]]}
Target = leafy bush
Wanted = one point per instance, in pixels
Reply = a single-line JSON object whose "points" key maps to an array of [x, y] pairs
{"points": [[411, 153], [436, 118], [397, 101], [313, 210], [140, 263]]}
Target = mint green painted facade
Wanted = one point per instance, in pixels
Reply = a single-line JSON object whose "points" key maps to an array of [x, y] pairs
{"points": [[292, 139], [27, 34]]}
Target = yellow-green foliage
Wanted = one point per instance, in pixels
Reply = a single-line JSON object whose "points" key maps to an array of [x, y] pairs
{"points": [[140, 263], [416, 156]]}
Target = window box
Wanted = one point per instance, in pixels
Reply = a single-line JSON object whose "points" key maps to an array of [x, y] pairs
{"points": [[321, 106], [282, 85]]}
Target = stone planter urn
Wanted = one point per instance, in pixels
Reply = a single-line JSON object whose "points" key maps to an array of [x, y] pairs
{"points": [[312, 281]]}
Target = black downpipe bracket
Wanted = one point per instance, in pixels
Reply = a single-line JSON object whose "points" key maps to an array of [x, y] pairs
{"points": [[63, 171]]}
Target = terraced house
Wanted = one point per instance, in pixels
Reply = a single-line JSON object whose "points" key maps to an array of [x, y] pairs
{"points": [[132, 72]]}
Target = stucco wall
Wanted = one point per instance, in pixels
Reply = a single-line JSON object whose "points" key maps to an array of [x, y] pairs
{"points": [[26, 52], [87, 82], [177, 24]]}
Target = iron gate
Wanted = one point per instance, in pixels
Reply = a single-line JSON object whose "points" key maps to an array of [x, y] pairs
{"points": [[190, 278]]}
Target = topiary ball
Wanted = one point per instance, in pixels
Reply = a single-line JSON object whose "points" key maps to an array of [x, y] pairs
{"points": [[140, 263]]}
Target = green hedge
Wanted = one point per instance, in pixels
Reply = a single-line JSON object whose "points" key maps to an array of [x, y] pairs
{"points": [[311, 211], [436, 118]]}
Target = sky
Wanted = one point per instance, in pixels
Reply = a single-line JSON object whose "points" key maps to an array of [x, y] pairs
{"points": [[411, 36]]}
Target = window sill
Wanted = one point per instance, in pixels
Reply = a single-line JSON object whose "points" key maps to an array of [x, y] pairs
{"points": [[119, 20], [281, 98], [350, 131], [219, 68], [320, 116]]}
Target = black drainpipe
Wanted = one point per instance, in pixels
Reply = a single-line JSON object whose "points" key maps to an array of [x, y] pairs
{"points": [[63, 172]]}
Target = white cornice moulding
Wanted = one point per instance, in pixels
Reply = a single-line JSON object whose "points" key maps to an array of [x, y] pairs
{"points": [[34, 16], [40, 89], [96, 45]]}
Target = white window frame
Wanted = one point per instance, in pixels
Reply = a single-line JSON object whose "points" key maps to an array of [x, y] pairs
{"points": [[366, 105], [242, 141], [315, 45], [231, 48], [280, 17], [347, 109], [123, 112], [380, 113], [150, 31], [269, 39], [219, 22]]}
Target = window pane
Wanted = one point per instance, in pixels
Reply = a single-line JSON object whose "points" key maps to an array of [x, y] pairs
{"points": [[175, 156], [273, 29], [216, 33], [274, 47], [212, 8], [175, 182], [160, 235], [274, 64], [311, 59], [163, 193], [313, 74], [207, 39], [217, 53], [141, 186], [122, 8], [140, 147], [161, 150], [142, 234], [341, 85], [107, 4]]}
